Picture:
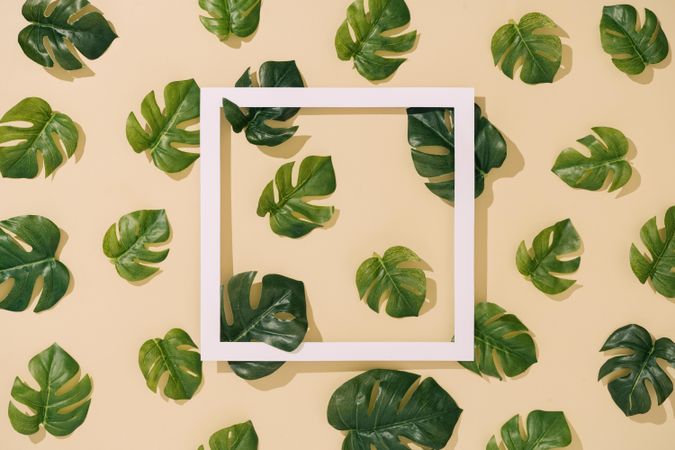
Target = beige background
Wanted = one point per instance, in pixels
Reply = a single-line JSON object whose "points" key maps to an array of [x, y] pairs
{"points": [[104, 320]]}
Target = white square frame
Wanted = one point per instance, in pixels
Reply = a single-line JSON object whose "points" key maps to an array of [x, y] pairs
{"points": [[461, 99]]}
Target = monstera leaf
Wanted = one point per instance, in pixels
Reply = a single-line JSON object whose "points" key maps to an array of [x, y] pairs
{"points": [[661, 267], [545, 430], [25, 267], [636, 368], [591, 172], [279, 320], [375, 411], [137, 230], [88, 31], [532, 42], [502, 336], [167, 127], [19, 160], [548, 246], [427, 127], [254, 120], [386, 277], [238, 17], [373, 35], [290, 214], [60, 405], [176, 355], [632, 49], [236, 437]]}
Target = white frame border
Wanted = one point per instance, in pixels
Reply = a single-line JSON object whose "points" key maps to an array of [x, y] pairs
{"points": [[461, 99]]}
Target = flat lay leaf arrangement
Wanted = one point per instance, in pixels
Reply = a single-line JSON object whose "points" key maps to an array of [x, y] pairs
{"points": [[380, 408]]}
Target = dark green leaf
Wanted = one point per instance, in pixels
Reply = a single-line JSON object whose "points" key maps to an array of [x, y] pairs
{"points": [[545, 430], [607, 156], [167, 127], [543, 260], [254, 120], [376, 410], [137, 231], [632, 49], [372, 33], [532, 42], [637, 366], [390, 278], [236, 437], [238, 17], [60, 405], [661, 267], [290, 214], [25, 267], [90, 33], [176, 355], [428, 128], [502, 336], [48, 129], [279, 320]]}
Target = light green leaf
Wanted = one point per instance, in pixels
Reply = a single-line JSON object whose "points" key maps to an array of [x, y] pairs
{"points": [[390, 278], [637, 366], [167, 128], [238, 17], [376, 411], [632, 49], [60, 405], [373, 35], [88, 31], [532, 42], [499, 335], [290, 214], [48, 129], [236, 437], [137, 231], [176, 355], [607, 156], [660, 268], [545, 430], [543, 261], [279, 320], [26, 267], [255, 120], [428, 127]]}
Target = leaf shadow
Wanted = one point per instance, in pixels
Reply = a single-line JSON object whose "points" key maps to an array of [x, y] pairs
{"points": [[286, 149], [635, 179], [566, 294], [236, 42], [81, 142], [647, 76]]}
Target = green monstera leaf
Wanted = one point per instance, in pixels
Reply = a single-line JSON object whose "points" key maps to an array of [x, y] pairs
{"points": [[236, 437], [176, 355], [372, 33], [661, 267], [290, 214], [237, 17], [26, 266], [386, 278], [89, 32], [376, 412], [137, 230], [632, 49], [637, 368], [499, 335], [607, 156], [279, 320], [48, 128], [255, 120], [548, 246], [428, 127], [532, 42], [167, 127], [545, 430], [60, 405]]}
